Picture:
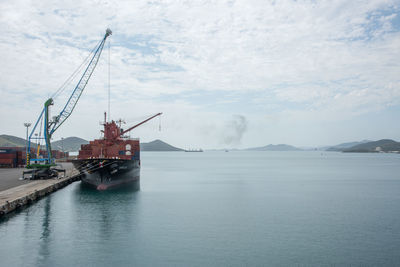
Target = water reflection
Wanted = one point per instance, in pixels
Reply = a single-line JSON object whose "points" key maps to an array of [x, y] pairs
{"points": [[108, 212], [44, 243], [249, 209]]}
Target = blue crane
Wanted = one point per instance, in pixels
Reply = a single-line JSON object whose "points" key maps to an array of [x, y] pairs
{"points": [[41, 167]]}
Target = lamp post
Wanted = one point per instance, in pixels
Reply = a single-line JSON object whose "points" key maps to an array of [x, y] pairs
{"points": [[62, 145], [26, 124]]}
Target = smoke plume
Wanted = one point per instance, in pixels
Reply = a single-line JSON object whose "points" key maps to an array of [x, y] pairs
{"points": [[234, 130]]}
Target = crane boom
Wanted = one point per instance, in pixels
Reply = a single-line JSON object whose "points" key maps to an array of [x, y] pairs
{"points": [[76, 94], [133, 127]]}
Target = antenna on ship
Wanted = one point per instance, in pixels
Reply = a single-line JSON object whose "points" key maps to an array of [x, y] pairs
{"points": [[120, 122]]}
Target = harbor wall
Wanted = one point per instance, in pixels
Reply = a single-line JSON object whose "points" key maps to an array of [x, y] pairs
{"points": [[23, 195]]}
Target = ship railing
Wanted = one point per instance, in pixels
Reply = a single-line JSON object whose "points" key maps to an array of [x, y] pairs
{"points": [[92, 168]]}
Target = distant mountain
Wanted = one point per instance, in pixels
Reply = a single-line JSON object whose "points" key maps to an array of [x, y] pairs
{"points": [[11, 141], [344, 146], [69, 144], [280, 147], [158, 145], [384, 145], [73, 144]]}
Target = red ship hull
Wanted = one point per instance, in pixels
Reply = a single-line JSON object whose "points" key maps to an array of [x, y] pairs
{"points": [[104, 174]]}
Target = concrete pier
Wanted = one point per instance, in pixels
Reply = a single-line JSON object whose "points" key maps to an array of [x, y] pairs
{"points": [[21, 195]]}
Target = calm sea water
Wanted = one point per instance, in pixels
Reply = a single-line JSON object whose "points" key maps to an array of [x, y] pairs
{"points": [[221, 209]]}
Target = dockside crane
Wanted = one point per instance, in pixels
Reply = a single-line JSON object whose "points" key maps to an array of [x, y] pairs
{"points": [[45, 167]]}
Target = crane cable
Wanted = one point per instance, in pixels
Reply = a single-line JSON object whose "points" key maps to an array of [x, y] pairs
{"points": [[62, 88], [75, 73]]}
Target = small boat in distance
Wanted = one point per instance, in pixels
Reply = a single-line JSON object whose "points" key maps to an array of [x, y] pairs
{"points": [[194, 150]]}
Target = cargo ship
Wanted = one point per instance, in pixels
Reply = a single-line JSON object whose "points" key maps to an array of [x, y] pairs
{"points": [[112, 161]]}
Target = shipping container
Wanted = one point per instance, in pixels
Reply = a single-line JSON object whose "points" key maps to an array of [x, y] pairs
{"points": [[8, 156], [7, 163], [6, 150]]}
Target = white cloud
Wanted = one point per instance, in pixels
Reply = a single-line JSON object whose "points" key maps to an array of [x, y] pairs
{"points": [[337, 59]]}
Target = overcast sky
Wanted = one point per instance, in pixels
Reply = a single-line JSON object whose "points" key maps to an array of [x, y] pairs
{"points": [[224, 73]]}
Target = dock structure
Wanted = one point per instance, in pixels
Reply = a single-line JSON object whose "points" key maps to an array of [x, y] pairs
{"points": [[27, 193]]}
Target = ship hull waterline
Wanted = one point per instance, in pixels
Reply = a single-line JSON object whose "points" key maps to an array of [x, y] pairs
{"points": [[104, 174]]}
